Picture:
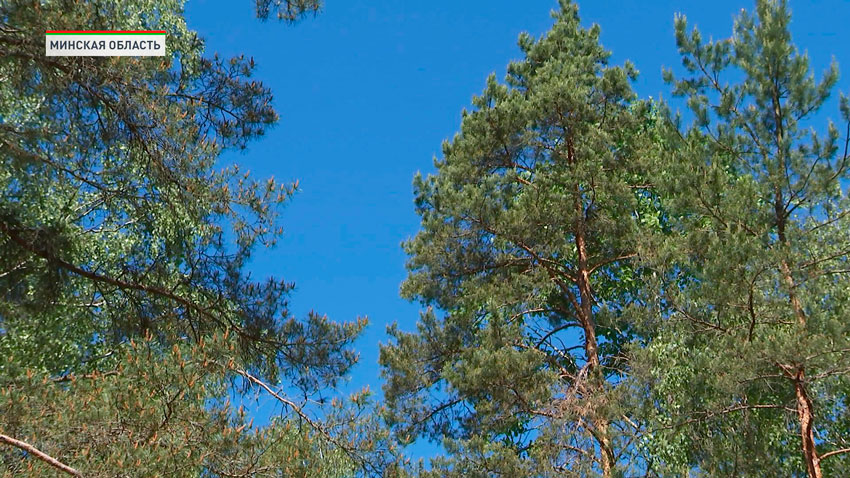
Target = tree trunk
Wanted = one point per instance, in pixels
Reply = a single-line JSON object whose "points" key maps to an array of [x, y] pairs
{"points": [[596, 388], [805, 409], [595, 376], [807, 432]]}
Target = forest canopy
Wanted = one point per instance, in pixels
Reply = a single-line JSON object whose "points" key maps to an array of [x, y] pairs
{"points": [[611, 285]]}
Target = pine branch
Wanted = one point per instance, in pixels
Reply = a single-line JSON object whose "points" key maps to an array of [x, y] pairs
{"points": [[39, 454], [834, 452], [303, 415], [15, 235]]}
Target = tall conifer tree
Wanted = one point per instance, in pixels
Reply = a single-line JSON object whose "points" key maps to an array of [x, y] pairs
{"points": [[750, 363], [526, 250]]}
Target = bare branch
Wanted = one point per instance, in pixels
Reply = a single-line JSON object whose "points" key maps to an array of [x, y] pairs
{"points": [[834, 452], [39, 454], [301, 413]]}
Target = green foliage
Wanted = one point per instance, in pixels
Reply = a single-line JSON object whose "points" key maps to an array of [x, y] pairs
{"points": [[754, 287], [600, 280], [158, 413], [527, 237], [123, 251], [606, 292], [286, 10]]}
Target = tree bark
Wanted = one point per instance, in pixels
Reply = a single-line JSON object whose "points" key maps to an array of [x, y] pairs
{"points": [[807, 432], [805, 409], [601, 424]]}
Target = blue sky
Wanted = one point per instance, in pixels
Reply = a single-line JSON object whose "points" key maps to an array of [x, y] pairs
{"points": [[367, 91]]}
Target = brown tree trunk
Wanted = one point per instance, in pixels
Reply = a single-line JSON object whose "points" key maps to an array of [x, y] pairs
{"points": [[807, 432], [805, 409], [596, 388], [605, 448], [595, 376]]}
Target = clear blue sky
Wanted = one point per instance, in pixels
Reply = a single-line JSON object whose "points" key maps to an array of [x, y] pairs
{"points": [[367, 91]]}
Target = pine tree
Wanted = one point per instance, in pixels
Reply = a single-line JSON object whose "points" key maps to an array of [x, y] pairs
{"points": [[286, 10], [127, 316], [749, 364], [527, 248]]}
